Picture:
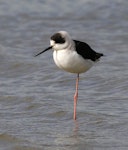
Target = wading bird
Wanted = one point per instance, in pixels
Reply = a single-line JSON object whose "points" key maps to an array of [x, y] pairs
{"points": [[72, 56]]}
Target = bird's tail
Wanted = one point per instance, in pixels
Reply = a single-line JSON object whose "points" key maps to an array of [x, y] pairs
{"points": [[98, 55]]}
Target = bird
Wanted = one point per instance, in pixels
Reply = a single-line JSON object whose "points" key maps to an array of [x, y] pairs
{"points": [[72, 56]]}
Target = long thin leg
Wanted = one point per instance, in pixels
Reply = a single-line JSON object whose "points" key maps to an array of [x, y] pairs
{"points": [[76, 96]]}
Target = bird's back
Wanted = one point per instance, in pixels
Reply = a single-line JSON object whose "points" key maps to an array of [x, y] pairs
{"points": [[86, 51]]}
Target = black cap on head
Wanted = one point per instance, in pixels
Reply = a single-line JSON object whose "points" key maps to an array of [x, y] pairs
{"points": [[58, 38]]}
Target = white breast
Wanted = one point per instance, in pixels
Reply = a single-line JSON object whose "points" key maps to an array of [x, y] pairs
{"points": [[70, 61]]}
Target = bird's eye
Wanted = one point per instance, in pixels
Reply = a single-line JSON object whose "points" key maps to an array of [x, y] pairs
{"points": [[58, 38]]}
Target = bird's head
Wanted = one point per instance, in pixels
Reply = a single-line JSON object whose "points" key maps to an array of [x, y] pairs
{"points": [[59, 41]]}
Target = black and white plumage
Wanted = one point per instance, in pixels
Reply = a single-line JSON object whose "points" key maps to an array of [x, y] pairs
{"points": [[72, 56]]}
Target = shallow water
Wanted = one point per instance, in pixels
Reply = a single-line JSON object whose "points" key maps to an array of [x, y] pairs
{"points": [[36, 98]]}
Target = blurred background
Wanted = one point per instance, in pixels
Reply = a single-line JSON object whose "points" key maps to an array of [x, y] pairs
{"points": [[36, 98]]}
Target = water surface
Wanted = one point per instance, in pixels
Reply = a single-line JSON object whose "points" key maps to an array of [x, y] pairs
{"points": [[36, 98]]}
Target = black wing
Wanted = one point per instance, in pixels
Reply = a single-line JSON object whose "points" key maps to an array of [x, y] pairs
{"points": [[86, 51]]}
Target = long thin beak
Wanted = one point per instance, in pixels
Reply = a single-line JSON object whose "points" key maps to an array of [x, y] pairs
{"points": [[44, 51]]}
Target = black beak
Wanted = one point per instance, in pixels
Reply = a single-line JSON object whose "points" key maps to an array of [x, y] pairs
{"points": [[44, 51]]}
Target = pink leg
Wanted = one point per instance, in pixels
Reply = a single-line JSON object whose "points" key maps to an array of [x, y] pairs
{"points": [[76, 96]]}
